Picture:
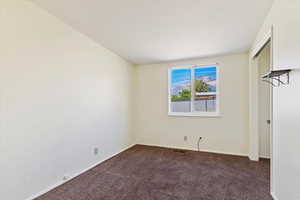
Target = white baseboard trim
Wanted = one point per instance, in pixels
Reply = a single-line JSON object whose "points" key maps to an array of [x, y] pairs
{"points": [[194, 149], [75, 175], [273, 196], [253, 158], [224, 152], [265, 157], [257, 158]]}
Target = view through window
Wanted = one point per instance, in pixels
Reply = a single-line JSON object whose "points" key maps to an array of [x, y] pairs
{"points": [[193, 90]]}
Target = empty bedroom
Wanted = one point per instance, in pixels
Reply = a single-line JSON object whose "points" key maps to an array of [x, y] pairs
{"points": [[149, 100]]}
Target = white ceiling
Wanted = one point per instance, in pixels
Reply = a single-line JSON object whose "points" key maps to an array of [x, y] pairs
{"points": [[152, 31]]}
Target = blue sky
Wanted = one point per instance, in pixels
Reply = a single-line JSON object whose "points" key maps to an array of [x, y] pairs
{"points": [[208, 71], [181, 76]]}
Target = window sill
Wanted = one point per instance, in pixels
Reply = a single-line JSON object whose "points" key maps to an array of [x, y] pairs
{"points": [[176, 114]]}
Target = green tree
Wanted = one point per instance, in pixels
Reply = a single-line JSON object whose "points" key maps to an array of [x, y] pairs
{"points": [[201, 86], [184, 95]]}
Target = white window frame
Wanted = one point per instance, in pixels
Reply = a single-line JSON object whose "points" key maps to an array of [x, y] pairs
{"points": [[195, 113]]}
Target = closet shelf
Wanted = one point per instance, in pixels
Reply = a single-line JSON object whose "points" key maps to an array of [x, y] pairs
{"points": [[276, 75]]}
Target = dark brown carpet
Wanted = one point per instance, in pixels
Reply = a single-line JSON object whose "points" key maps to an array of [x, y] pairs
{"points": [[153, 173]]}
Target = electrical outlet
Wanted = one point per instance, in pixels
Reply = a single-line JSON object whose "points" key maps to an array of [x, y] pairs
{"points": [[185, 138], [96, 151]]}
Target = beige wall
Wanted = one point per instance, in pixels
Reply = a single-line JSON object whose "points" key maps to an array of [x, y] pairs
{"points": [[228, 133], [285, 17], [61, 95]]}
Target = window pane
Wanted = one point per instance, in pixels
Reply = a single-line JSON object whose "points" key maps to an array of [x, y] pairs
{"points": [[181, 90], [205, 89]]}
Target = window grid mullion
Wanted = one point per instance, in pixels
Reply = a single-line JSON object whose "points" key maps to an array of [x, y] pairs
{"points": [[192, 89]]}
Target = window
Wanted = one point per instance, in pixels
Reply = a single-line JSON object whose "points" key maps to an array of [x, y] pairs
{"points": [[193, 91]]}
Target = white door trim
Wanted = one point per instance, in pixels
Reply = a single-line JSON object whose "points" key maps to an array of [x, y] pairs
{"points": [[253, 102], [259, 46]]}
